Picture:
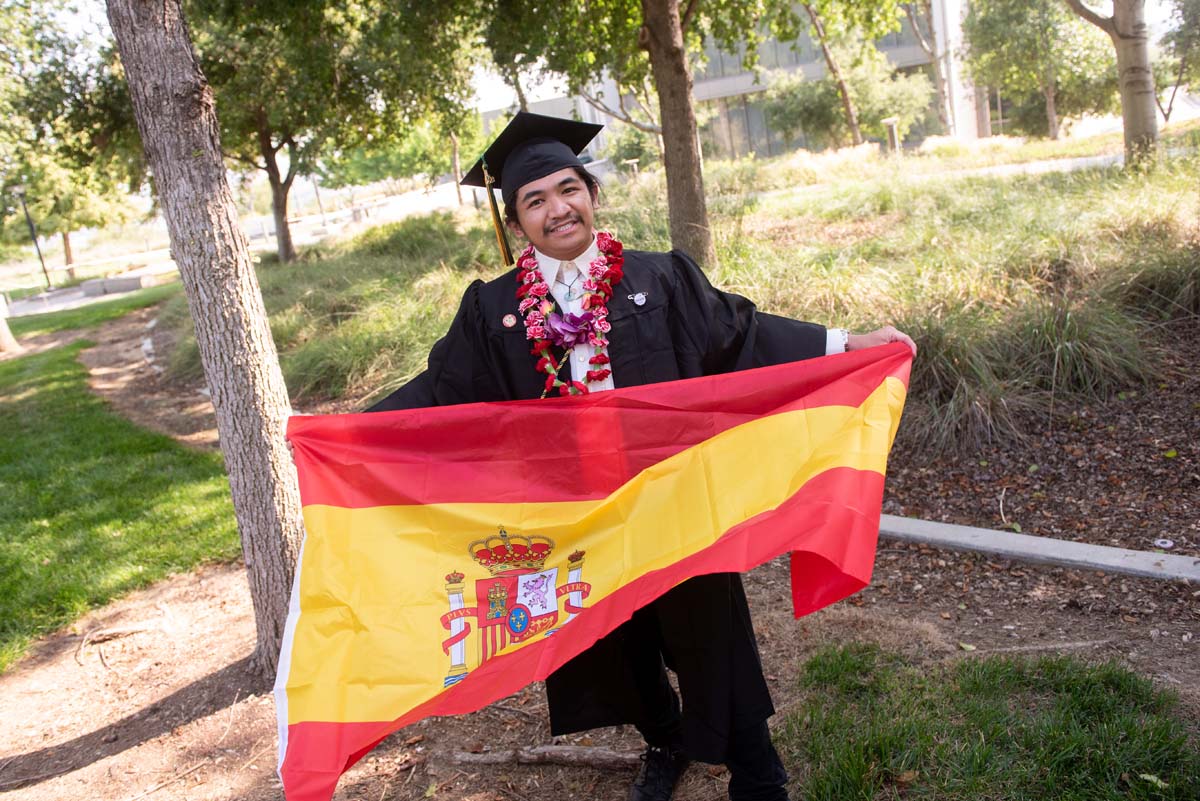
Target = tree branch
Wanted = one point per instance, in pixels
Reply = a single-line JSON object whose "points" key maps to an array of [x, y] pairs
{"points": [[600, 105], [1105, 24], [910, 10], [569, 755], [1178, 81], [293, 162], [688, 13], [244, 160], [643, 102]]}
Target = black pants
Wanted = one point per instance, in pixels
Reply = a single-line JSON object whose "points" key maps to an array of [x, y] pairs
{"points": [[756, 772], [701, 630]]}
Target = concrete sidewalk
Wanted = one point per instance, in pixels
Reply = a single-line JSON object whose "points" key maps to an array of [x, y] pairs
{"points": [[1044, 550]]}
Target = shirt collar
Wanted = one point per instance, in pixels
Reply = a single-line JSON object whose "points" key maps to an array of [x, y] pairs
{"points": [[550, 266]]}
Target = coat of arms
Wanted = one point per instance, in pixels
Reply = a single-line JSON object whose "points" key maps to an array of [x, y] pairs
{"points": [[518, 601]]}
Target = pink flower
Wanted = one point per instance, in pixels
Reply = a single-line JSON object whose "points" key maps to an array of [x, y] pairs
{"points": [[603, 326], [603, 240], [547, 307], [540, 290], [589, 285], [535, 332], [534, 317], [526, 304]]}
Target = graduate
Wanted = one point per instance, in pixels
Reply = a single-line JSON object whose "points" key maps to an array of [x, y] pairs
{"points": [[580, 313]]}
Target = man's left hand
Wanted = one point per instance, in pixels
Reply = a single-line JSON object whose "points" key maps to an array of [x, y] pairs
{"points": [[881, 336]]}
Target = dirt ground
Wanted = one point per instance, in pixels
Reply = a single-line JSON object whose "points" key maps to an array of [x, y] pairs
{"points": [[150, 696]]}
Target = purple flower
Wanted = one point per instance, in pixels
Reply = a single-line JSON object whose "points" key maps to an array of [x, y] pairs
{"points": [[569, 330]]}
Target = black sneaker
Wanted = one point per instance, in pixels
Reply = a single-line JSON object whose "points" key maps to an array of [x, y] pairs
{"points": [[661, 769]]}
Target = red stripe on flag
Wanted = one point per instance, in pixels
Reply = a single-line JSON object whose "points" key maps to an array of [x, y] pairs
{"points": [[833, 543], [456, 454]]}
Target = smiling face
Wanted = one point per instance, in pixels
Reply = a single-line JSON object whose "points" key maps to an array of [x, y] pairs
{"points": [[555, 214]]}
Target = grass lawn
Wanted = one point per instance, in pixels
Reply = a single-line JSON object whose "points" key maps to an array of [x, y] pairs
{"points": [[90, 505], [93, 314], [872, 726]]}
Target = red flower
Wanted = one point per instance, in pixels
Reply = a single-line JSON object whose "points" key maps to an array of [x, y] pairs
{"points": [[546, 364], [599, 358], [551, 381], [579, 387], [540, 346], [598, 375]]}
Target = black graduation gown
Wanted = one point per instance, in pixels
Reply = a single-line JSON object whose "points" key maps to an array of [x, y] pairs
{"points": [[684, 328]]}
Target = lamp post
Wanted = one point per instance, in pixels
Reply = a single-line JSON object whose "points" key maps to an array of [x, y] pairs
{"points": [[19, 191]]}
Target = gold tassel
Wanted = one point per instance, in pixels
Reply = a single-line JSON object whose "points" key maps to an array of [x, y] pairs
{"points": [[501, 236]]}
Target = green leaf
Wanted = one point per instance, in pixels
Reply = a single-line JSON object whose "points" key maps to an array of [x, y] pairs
{"points": [[1171, 454], [1157, 782]]}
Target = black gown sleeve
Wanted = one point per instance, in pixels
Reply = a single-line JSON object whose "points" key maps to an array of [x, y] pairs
{"points": [[453, 368], [719, 332]]}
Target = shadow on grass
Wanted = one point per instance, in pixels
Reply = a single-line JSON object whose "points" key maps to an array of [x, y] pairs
{"points": [[93, 506], [197, 700]]}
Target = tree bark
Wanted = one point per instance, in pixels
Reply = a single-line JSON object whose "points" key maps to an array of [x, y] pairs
{"points": [[1051, 111], [68, 256], [662, 36], [173, 105], [455, 166], [930, 48], [1131, 36], [835, 72], [8, 343], [983, 112], [513, 75], [280, 186]]}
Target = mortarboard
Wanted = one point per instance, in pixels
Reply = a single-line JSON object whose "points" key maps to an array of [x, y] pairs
{"points": [[530, 147]]}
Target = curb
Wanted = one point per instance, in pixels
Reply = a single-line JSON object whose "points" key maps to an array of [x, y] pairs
{"points": [[1044, 550]]}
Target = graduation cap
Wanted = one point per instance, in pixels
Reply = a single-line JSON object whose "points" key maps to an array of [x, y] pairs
{"points": [[530, 147]]}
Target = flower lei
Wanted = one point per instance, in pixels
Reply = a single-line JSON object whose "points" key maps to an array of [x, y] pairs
{"points": [[546, 327]]}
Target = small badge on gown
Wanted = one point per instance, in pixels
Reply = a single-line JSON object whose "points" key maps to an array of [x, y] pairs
{"points": [[509, 320]]}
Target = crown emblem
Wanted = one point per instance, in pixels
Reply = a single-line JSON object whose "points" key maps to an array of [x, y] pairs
{"points": [[501, 552]]}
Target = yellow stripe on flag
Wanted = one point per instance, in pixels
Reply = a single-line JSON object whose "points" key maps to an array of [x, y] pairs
{"points": [[368, 642]]}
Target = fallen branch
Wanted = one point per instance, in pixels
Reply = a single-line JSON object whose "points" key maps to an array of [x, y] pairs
{"points": [[568, 755], [517, 711], [171, 781], [96, 636], [1049, 646]]}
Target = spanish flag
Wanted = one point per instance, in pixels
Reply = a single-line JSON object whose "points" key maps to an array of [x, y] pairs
{"points": [[456, 554]]}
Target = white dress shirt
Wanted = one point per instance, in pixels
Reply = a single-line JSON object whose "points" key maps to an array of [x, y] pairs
{"points": [[551, 269], [581, 354]]}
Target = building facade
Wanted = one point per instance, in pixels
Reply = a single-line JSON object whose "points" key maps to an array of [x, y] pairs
{"points": [[729, 99]]}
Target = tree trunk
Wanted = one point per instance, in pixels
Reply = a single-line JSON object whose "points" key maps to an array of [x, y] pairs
{"points": [[1051, 111], [662, 36], [513, 75], [280, 186], [930, 48], [1131, 37], [983, 112], [173, 105], [455, 166], [68, 256], [835, 72], [8, 343]]}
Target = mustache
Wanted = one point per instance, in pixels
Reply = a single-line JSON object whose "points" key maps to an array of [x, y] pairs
{"points": [[550, 226]]}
